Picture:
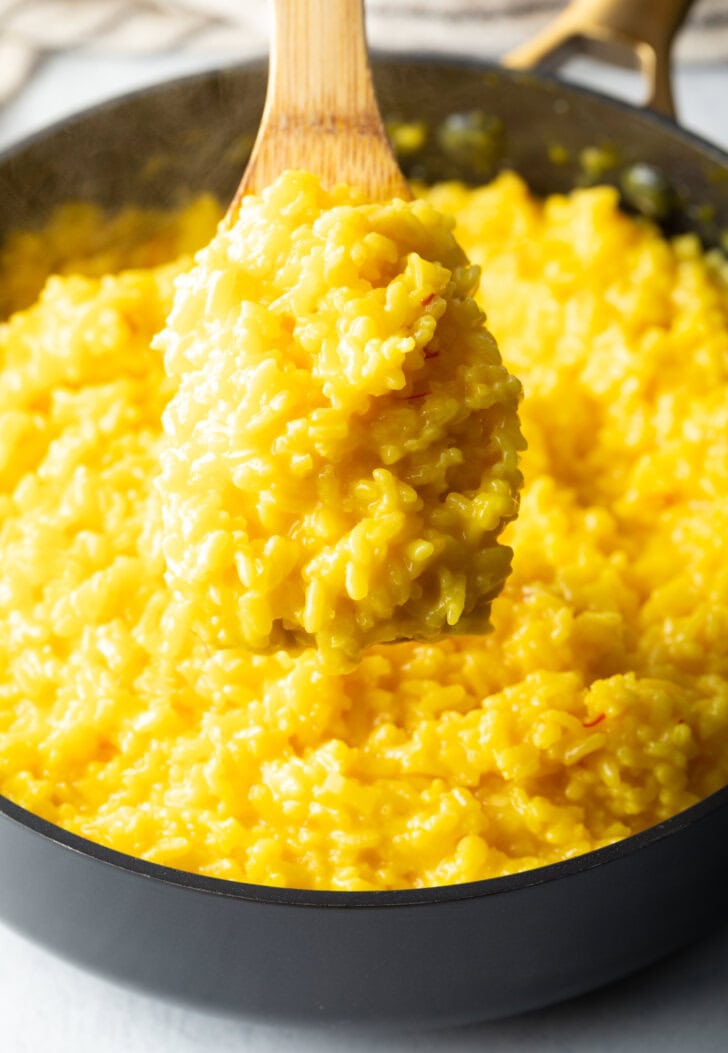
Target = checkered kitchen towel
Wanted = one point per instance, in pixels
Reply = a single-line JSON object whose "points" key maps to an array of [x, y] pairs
{"points": [[30, 29]]}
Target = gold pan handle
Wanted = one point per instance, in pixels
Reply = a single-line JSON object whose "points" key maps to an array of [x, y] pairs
{"points": [[633, 32]]}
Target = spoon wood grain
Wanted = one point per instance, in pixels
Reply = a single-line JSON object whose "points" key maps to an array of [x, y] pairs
{"points": [[321, 113]]}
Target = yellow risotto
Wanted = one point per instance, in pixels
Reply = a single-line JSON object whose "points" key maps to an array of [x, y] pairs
{"points": [[597, 706], [343, 438]]}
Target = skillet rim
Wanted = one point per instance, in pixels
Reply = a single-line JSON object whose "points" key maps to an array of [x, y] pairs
{"points": [[293, 897], [438, 58]]}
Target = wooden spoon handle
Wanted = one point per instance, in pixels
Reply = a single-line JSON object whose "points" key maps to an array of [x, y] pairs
{"points": [[321, 113]]}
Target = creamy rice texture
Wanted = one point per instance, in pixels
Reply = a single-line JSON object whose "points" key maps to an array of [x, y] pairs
{"points": [[596, 707], [343, 440]]}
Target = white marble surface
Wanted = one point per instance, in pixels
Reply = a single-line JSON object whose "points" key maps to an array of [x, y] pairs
{"points": [[48, 1006]]}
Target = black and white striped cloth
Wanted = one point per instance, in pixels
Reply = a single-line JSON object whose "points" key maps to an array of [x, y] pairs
{"points": [[30, 29]]}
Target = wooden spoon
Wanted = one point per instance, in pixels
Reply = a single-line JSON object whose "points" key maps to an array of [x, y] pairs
{"points": [[320, 110]]}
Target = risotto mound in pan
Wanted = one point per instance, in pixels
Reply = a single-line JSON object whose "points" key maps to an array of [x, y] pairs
{"points": [[598, 704]]}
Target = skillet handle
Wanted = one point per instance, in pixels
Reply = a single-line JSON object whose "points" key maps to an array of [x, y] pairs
{"points": [[615, 30]]}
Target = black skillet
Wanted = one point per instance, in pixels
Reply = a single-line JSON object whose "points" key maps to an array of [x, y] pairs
{"points": [[435, 956]]}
